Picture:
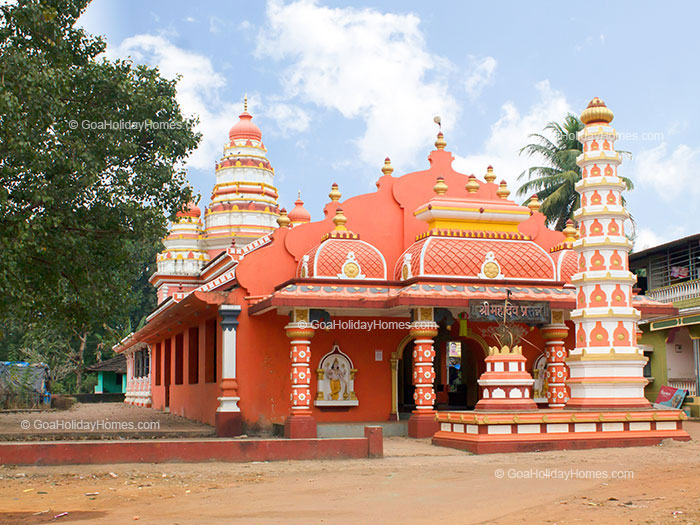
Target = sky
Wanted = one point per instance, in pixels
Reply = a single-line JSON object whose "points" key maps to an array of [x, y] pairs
{"points": [[338, 86]]}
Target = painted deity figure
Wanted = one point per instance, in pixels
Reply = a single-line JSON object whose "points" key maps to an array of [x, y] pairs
{"points": [[336, 375], [539, 372]]}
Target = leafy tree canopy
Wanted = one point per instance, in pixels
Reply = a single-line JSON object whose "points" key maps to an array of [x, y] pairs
{"points": [[554, 181], [91, 155]]}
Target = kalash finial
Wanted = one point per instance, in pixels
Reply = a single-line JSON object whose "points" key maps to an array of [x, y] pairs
{"points": [[503, 190], [339, 220], [335, 194], [387, 169], [440, 142], [596, 113], [534, 203], [245, 102], [490, 175], [570, 232], [440, 187], [283, 220], [472, 184]]}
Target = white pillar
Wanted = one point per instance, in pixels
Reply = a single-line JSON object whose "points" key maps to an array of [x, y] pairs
{"points": [[228, 402]]}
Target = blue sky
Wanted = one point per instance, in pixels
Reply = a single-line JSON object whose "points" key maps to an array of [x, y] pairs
{"points": [[338, 86]]}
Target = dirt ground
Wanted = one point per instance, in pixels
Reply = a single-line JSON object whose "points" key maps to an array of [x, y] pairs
{"points": [[98, 421], [415, 483]]}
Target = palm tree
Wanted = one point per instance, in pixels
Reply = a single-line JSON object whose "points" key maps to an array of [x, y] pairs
{"points": [[554, 182]]}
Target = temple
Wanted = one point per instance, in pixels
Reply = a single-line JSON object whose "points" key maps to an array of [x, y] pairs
{"points": [[436, 302]]}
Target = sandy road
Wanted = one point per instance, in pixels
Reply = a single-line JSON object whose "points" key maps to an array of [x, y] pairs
{"points": [[414, 483]]}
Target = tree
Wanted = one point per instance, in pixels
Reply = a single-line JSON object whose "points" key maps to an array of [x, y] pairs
{"points": [[91, 155], [555, 181]]}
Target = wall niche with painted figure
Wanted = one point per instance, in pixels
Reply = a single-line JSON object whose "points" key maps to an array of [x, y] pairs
{"points": [[336, 380]]}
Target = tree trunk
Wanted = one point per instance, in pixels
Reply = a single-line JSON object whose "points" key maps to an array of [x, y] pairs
{"points": [[79, 357]]}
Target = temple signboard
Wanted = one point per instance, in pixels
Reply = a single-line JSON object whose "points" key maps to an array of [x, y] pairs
{"points": [[531, 312]]}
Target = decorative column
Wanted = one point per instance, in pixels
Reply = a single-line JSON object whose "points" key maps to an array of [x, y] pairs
{"points": [[300, 423], [394, 362], [557, 371], [229, 421], [606, 368], [423, 329]]}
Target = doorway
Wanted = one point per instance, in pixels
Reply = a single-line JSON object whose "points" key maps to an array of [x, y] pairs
{"points": [[459, 362]]}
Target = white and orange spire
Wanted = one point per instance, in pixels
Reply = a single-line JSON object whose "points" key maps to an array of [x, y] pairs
{"points": [[182, 257], [606, 366], [244, 200]]}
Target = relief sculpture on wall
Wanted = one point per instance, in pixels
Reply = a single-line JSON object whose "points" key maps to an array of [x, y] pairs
{"points": [[336, 380]]}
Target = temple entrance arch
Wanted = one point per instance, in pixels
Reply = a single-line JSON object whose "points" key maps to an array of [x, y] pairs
{"points": [[462, 359], [447, 385]]}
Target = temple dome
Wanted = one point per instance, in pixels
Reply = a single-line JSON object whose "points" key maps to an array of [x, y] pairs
{"points": [[299, 214], [567, 265], [244, 129], [191, 210], [494, 256], [342, 255]]}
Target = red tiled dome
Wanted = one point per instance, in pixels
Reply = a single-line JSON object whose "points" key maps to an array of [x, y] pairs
{"points": [[344, 259], [466, 257], [566, 265]]}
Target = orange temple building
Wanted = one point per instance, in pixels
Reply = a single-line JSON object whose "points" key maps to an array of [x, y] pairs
{"points": [[388, 309]]}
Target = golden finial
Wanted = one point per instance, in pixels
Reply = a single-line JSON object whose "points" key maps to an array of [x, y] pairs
{"points": [[440, 142], [490, 175], [472, 184], [503, 190], [335, 193], [596, 113], [387, 169], [339, 220], [245, 102], [283, 220], [534, 203], [440, 186], [570, 232]]}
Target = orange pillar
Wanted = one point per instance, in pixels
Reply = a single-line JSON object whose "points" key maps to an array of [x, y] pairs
{"points": [[557, 371], [300, 423], [422, 422]]}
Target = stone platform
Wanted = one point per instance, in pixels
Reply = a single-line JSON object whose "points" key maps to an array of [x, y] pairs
{"points": [[493, 432]]}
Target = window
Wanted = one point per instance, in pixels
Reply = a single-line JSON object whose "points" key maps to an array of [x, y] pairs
{"points": [[179, 361], [210, 351], [159, 379], [193, 368]]}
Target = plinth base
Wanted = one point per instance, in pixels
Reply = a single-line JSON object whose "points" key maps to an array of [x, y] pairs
{"points": [[229, 424], [422, 424], [486, 433], [300, 426], [509, 405]]}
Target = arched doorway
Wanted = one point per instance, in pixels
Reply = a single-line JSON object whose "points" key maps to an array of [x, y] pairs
{"points": [[456, 387], [463, 365]]}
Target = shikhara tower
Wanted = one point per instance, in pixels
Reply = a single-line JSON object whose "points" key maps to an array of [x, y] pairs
{"points": [[243, 209], [244, 200], [605, 367]]}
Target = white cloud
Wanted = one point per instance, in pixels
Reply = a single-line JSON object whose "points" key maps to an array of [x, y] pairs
{"points": [[365, 64], [510, 133], [647, 238], [480, 75], [672, 175], [289, 118], [198, 91]]}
